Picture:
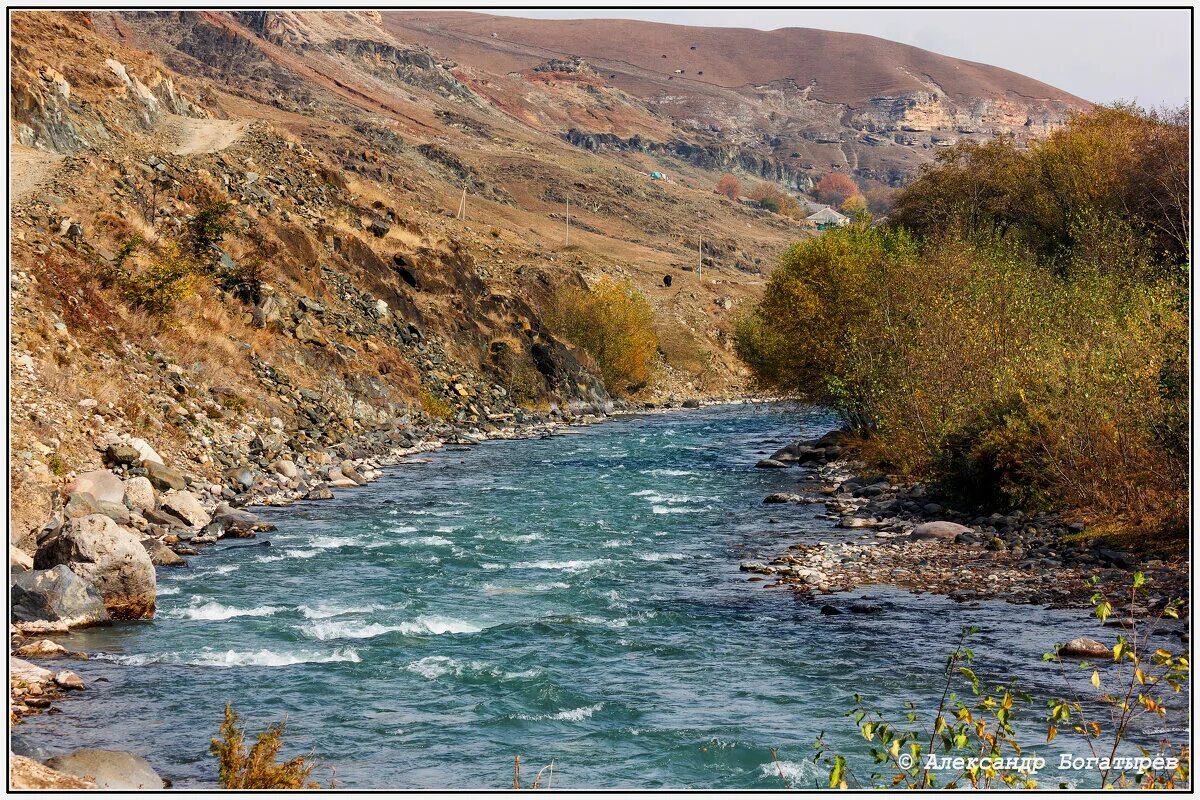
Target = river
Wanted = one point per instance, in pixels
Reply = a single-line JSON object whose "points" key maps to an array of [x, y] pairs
{"points": [[574, 599]]}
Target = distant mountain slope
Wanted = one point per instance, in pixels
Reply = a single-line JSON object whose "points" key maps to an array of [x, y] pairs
{"points": [[808, 100]]}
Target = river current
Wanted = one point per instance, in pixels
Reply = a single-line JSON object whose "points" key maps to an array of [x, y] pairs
{"points": [[574, 599]]}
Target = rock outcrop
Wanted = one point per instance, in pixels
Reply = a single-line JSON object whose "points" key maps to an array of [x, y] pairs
{"points": [[110, 558]]}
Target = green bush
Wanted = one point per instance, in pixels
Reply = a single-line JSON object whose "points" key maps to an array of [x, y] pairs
{"points": [[971, 363], [614, 324]]}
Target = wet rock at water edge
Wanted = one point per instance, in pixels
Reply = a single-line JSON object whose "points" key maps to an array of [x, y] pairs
{"points": [[938, 531], [1083, 647], [109, 557], [57, 595], [319, 493], [160, 554], [770, 463], [110, 769], [185, 506], [783, 497]]}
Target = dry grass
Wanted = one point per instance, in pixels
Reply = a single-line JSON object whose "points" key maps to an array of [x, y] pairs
{"points": [[257, 767]]}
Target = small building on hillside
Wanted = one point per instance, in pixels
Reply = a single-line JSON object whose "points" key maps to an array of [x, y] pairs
{"points": [[827, 218]]}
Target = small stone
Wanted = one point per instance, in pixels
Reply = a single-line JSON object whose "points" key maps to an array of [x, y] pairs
{"points": [[68, 680]]}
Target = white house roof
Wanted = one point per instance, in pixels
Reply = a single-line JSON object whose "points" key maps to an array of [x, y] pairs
{"points": [[827, 215]]}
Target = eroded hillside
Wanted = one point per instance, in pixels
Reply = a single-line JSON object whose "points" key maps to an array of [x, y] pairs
{"points": [[344, 298]]}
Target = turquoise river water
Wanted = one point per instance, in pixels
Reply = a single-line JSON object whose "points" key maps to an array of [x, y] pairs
{"points": [[574, 599]]}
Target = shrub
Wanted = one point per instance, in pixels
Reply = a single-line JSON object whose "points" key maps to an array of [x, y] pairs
{"points": [[435, 406], [835, 188], [257, 768], [972, 364], [614, 324], [205, 230], [168, 279], [729, 186], [776, 200]]}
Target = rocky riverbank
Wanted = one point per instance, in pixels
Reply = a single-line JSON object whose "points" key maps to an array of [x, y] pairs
{"points": [[895, 534], [96, 558]]}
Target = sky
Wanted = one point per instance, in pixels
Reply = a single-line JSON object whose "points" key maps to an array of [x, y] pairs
{"points": [[1099, 54]]}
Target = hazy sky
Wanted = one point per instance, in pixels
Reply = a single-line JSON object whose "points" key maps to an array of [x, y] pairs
{"points": [[1098, 54]]}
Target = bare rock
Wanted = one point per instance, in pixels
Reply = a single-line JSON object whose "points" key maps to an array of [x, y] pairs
{"points": [[139, 493], [25, 773], [938, 531], [110, 769], [109, 557], [66, 679], [160, 554], [186, 507], [163, 477], [1083, 647], [56, 595], [19, 559], [100, 484], [43, 648]]}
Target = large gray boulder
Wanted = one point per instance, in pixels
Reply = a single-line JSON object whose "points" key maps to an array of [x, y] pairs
{"points": [[186, 507], [109, 557], [100, 484], [56, 595], [938, 531], [110, 769], [163, 477], [238, 520]]}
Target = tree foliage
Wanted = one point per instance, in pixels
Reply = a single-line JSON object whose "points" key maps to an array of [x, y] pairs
{"points": [[835, 188], [774, 199], [729, 186], [613, 323], [257, 768]]}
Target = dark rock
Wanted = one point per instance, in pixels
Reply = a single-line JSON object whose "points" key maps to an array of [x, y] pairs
{"points": [[122, 454], [56, 595], [770, 463], [163, 477]]}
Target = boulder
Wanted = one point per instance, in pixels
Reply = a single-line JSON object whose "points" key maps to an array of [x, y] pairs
{"points": [[238, 520], [43, 648], [335, 478], [117, 512], [68, 680], [80, 504], [783, 497], [109, 557], [163, 477], [110, 769], [160, 554], [122, 454], [186, 507], [21, 670], [770, 463], [56, 595], [100, 484], [146, 452], [25, 773], [18, 559], [139, 493], [938, 531], [319, 493], [1083, 647], [286, 468]]}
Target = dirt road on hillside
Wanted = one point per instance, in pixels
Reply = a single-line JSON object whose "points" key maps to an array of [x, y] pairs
{"points": [[205, 135]]}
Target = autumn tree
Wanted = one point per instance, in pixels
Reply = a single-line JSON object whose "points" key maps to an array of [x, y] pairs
{"points": [[772, 198], [729, 186], [835, 188], [614, 324], [855, 206]]}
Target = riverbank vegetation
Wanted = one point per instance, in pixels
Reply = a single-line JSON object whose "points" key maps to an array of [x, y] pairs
{"points": [[613, 323], [1018, 331], [257, 767]]}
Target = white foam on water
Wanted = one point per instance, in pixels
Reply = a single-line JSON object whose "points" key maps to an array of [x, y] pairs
{"points": [[661, 556], [428, 541], [519, 538], [566, 566], [164, 591], [302, 553], [793, 774], [405, 529], [269, 559], [446, 529], [346, 629], [213, 612], [492, 566], [225, 569], [612, 543], [434, 667], [236, 658], [674, 510], [332, 542], [667, 473], [570, 715], [325, 611], [437, 626]]}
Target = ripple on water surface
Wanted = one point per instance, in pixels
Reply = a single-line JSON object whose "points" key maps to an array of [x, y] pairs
{"points": [[574, 599]]}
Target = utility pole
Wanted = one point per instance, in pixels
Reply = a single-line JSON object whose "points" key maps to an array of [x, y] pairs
{"points": [[568, 222], [701, 257], [462, 205]]}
